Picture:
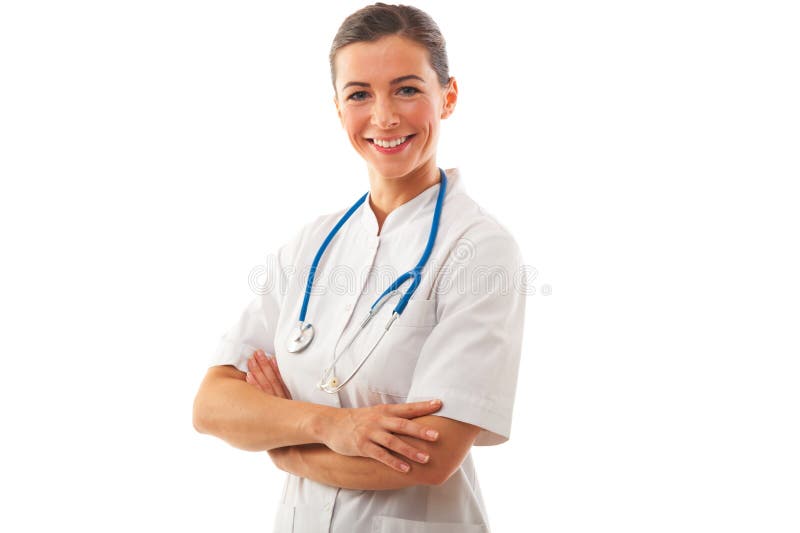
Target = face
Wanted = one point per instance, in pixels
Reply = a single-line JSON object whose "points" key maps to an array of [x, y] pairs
{"points": [[390, 103]]}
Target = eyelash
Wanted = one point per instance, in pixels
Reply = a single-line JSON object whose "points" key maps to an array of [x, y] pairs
{"points": [[351, 97]]}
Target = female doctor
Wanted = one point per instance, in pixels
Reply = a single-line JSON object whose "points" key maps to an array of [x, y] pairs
{"points": [[373, 419]]}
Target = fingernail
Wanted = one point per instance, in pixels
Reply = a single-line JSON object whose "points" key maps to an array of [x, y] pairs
{"points": [[404, 467], [436, 402], [432, 434], [422, 457]]}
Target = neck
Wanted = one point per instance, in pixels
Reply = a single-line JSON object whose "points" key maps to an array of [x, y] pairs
{"points": [[387, 194]]}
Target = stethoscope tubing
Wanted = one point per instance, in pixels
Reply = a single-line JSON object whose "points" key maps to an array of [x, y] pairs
{"points": [[416, 272], [321, 251], [326, 374], [305, 332]]}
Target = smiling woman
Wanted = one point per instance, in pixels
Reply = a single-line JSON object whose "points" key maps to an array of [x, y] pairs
{"points": [[392, 120], [386, 448]]}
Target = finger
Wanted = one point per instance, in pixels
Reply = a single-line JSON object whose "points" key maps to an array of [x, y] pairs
{"points": [[381, 455], [258, 375], [414, 409], [403, 426], [249, 378], [274, 361], [269, 372], [390, 442]]}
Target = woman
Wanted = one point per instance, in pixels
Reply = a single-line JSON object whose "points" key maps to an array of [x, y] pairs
{"points": [[380, 443]]}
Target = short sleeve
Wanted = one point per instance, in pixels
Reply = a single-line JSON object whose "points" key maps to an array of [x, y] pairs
{"points": [[257, 324], [471, 358]]}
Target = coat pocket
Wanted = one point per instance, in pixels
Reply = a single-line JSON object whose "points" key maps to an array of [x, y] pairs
{"points": [[390, 369], [418, 313], [390, 524]]}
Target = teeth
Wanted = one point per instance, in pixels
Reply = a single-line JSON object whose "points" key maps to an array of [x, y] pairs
{"points": [[390, 144]]}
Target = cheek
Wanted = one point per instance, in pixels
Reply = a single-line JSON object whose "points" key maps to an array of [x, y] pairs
{"points": [[354, 123], [422, 116]]}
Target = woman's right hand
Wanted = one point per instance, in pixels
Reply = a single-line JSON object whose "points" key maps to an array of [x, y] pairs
{"points": [[370, 432], [363, 431]]}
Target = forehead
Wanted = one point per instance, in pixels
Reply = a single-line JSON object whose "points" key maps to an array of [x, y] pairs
{"points": [[379, 61]]}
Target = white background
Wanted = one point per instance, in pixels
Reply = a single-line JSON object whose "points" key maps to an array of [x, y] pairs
{"points": [[644, 154]]}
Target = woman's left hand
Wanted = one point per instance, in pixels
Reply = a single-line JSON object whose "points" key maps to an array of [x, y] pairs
{"points": [[263, 374]]}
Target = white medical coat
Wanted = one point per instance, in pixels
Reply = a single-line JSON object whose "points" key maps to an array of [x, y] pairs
{"points": [[458, 340]]}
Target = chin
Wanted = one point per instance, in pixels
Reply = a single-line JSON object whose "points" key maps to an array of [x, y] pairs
{"points": [[392, 171]]}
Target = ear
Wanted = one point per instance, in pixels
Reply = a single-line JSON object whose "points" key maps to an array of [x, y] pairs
{"points": [[338, 110], [449, 98]]}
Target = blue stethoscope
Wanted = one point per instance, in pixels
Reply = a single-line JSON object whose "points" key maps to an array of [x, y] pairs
{"points": [[303, 332]]}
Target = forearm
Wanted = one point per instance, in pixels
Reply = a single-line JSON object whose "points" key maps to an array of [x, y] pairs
{"points": [[321, 464], [243, 416]]}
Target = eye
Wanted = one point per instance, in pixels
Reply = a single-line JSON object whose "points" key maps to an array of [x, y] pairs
{"points": [[408, 91], [357, 96]]}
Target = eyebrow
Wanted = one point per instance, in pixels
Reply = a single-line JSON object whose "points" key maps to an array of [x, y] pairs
{"points": [[393, 82]]}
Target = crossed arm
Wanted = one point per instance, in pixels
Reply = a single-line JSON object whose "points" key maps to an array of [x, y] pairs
{"points": [[321, 464], [347, 448]]}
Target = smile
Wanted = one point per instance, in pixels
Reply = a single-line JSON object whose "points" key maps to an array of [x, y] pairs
{"points": [[390, 146]]}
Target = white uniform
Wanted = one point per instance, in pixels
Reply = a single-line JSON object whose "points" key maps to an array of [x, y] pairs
{"points": [[458, 340]]}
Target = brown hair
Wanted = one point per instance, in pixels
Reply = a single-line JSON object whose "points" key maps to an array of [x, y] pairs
{"points": [[379, 20]]}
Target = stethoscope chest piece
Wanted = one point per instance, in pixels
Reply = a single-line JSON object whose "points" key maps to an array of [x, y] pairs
{"points": [[300, 337]]}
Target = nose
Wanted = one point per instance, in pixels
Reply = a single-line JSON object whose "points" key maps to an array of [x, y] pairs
{"points": [[383, 114]]}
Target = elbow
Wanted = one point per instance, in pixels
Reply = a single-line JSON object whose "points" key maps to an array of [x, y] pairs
{"points": [[197, 422], [439, 480], [208, 420], [200, 419], [209, 402], [439, 476]]}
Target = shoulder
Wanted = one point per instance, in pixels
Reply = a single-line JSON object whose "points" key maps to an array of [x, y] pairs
{"points": [[296, 247], [312, 233], [320, 226], [472, 231]]}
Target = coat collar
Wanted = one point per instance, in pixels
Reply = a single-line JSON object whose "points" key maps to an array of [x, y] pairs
{"points": [[412, 209]]}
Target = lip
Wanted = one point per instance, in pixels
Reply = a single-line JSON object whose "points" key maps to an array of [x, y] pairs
{"points": [[390, 138], [396, 149]]}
